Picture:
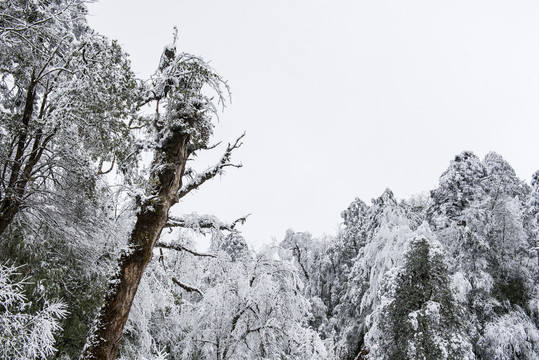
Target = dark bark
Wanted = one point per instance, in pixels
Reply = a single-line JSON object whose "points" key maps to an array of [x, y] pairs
{"points": [[10, 203], [178, 247], [170, 161]]}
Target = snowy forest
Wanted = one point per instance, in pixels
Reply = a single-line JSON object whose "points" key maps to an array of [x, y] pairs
{"points": [[92, 266]]}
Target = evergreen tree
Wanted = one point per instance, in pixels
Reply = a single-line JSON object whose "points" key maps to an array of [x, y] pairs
{"points": [[460, 185], [386, 228], [422, 319]]}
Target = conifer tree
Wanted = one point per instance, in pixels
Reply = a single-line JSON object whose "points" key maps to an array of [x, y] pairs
{"points": [[422, 320]]}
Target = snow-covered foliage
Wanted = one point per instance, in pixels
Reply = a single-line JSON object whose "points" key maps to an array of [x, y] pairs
{"points": [[419, 317], [510, 336], [26, 334], [191, 308]]}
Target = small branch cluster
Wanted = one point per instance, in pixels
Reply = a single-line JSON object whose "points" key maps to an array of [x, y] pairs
{"points": [[203, 222]]}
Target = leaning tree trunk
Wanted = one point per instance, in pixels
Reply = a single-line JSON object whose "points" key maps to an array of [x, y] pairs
{"points": [[165, 181]]}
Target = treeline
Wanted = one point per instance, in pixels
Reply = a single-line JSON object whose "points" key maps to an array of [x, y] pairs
{"points": [[446, 275]]}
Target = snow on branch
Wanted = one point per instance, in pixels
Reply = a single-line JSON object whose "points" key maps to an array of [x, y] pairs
{"points": [[201, 222], [187, 287], [217, 169], [179, 247]]}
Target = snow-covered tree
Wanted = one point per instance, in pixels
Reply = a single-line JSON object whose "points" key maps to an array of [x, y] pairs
{"points": [[460, 185], [532, 214], [419, 317], [66, 95], [181, 126], [510, 336], [255, 310], [386, 230]]}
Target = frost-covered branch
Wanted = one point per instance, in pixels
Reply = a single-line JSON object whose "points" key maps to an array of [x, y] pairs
{"points": [[187, 287], [211, 147], [179, 247], [104, 172], [197, 222], [26, 26], [217, 169]]}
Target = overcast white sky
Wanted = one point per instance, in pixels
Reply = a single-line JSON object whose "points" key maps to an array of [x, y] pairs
{"points": [[341, 99]]}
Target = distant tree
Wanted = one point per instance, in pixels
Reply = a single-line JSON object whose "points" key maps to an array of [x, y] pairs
{"points": [[301, 247], [386, 231], [460, 185], [533, 214], [234, 245], [506, 232], [487, 236], [422, 319]]}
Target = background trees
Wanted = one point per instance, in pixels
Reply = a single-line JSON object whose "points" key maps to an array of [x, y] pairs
{"points": [[433, 276]]}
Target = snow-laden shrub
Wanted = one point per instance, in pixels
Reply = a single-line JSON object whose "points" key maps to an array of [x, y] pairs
{"points": [[511, 336], [25, 335]]}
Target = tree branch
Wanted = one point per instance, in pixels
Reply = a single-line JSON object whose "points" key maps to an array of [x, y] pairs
{"points": [[187, 287], [179, 247], [104, 172], [213, 171], [203, 222]]}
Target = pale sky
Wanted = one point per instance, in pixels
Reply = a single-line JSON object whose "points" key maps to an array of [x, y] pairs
{"points": [[342, 99]]}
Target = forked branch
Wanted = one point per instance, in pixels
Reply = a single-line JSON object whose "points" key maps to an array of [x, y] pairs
{"points": [[217, 169]]}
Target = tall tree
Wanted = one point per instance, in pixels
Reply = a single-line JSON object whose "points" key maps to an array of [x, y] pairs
{"points": [[385, 233], [181, 126], [62, 87]]}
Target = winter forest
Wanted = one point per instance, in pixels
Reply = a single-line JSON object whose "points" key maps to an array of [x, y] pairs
{"points": [[93, 266]]}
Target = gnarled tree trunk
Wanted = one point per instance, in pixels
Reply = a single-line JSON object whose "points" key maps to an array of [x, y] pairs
{"points": [[169, 165]]}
